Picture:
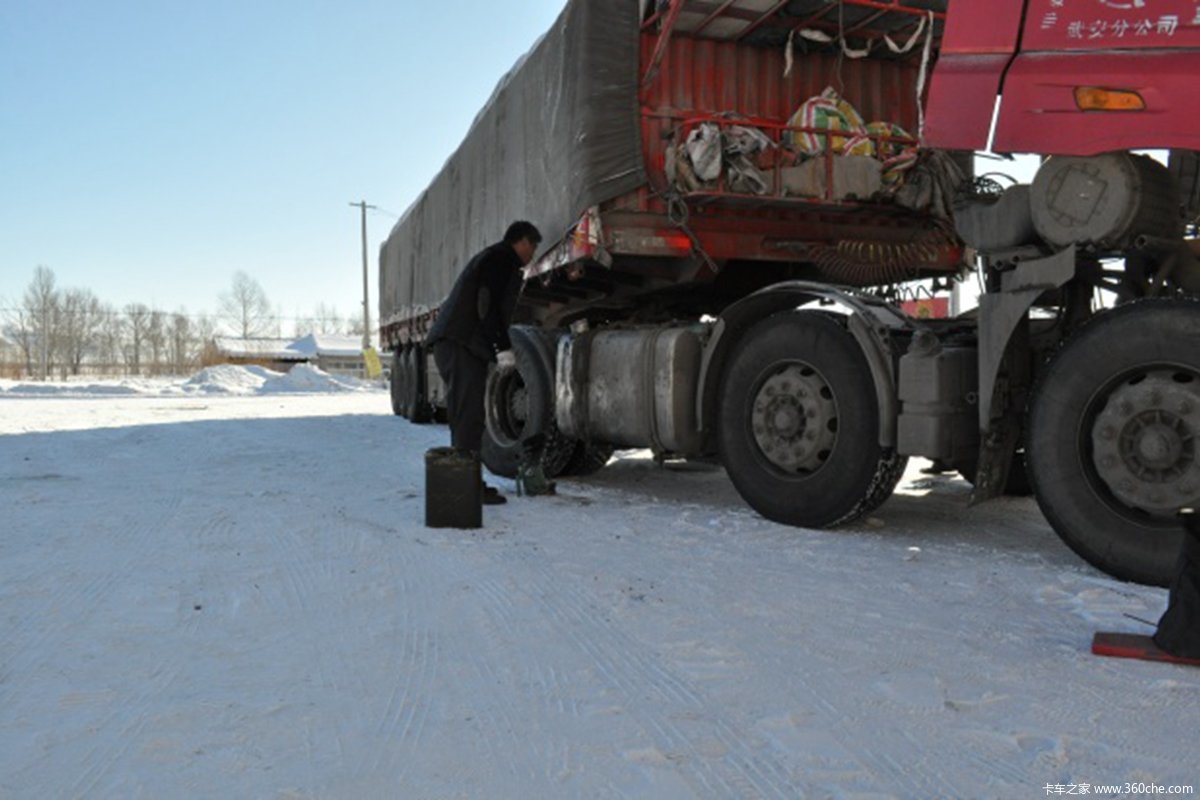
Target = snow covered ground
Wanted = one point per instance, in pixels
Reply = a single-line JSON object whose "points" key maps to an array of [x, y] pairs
{"points": [[223, 588]]}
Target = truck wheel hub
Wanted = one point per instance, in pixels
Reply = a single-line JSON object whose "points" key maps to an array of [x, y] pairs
{"points": [[518, 404], [1144, 442], [507, 406], [795, 419]]}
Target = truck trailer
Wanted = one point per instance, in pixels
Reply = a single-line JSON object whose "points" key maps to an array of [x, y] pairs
{"points": [[740, 195]]}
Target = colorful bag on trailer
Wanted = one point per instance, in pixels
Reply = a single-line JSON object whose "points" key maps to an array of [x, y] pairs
{"points": [[884, 134], [826, 112]]}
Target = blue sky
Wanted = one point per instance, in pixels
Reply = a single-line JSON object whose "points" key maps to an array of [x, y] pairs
{"points": [[150, 149]]}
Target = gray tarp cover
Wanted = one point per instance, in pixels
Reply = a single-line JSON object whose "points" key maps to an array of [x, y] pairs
{"points": [[560, 134]]}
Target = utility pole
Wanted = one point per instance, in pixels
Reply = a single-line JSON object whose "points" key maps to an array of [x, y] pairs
{"points": [[362, 205]]}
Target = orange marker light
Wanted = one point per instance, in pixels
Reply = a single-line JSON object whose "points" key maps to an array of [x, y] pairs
{"points": [[1093, 98]]}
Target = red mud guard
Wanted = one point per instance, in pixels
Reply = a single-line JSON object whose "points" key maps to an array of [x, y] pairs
{"points": [[1135, 645]]}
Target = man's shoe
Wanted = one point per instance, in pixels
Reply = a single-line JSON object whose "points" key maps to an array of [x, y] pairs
{"points": [[492, 496]]}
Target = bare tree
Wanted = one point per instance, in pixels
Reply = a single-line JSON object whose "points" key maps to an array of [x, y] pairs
{"points": [[181, 342], [156, 340], [110, 338], [138, 320], [80, 324], [325, 319], [39, 308], [245, 307], [19, 329]]}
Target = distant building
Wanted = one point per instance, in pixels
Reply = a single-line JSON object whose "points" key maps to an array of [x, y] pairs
{"points": [[332, 353], [273, 354]]}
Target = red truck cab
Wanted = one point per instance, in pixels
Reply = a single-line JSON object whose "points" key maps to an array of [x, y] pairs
{"points": [[1073, 77]]}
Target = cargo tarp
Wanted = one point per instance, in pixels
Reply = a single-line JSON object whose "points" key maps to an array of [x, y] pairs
{"points": [[560, 134]]}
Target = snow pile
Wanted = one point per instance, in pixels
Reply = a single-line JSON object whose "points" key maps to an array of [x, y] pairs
{"points": [[251, 380], [307, 378], [52, 389], [229, 379]]}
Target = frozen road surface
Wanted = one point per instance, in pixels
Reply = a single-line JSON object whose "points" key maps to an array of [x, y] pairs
{"points": [[223, 588]]}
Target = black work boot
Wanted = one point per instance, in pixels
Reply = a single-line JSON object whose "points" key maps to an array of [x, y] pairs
{"points": [[1179, 629], [492, 496]]}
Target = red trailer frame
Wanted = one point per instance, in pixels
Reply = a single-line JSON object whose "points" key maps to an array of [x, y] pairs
{"points": [[695, 76]]}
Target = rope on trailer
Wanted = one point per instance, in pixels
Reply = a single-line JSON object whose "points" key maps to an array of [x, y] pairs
{"points": [[922, 76], [678, 215]]}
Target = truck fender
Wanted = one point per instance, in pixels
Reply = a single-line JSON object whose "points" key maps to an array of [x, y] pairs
{"points": [[871, 321], [1001, 312]]}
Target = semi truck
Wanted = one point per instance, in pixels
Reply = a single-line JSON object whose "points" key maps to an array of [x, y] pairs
{"points": [[739, 195]]}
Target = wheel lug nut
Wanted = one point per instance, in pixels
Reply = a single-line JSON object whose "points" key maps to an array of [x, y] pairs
{"points": [[1108, 432], [1125, 407], [1155, 398], [1108, 461]]}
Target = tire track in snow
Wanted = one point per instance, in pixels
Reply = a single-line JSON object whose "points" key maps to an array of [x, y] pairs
{"points": [[132, 717], [894, 756], [415, 650], [144, 541], [531, 694], [130, 720], [679, 721]]}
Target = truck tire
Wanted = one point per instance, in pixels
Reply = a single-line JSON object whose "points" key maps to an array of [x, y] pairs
{"points": [[398, 383], [587, 458], [1113, 446], [799, 423], [417, 403], [519, 403]]}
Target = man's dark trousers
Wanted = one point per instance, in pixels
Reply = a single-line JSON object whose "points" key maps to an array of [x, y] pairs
{"points": [[465, 375]]}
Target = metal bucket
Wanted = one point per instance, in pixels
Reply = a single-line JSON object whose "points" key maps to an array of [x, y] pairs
{"points": [[453, 489]]}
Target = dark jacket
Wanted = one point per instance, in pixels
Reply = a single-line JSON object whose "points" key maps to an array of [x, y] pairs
{"points": [[477, 313]]}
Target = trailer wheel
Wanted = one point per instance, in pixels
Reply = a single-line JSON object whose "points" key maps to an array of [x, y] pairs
{"points": [[417, 401], [587, 458], [398, 383], [394, 383], [1113, 444], [799, 423], [519, 404]]}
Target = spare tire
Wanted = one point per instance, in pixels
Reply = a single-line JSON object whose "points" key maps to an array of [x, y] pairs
{"points": [[519, 404]]}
